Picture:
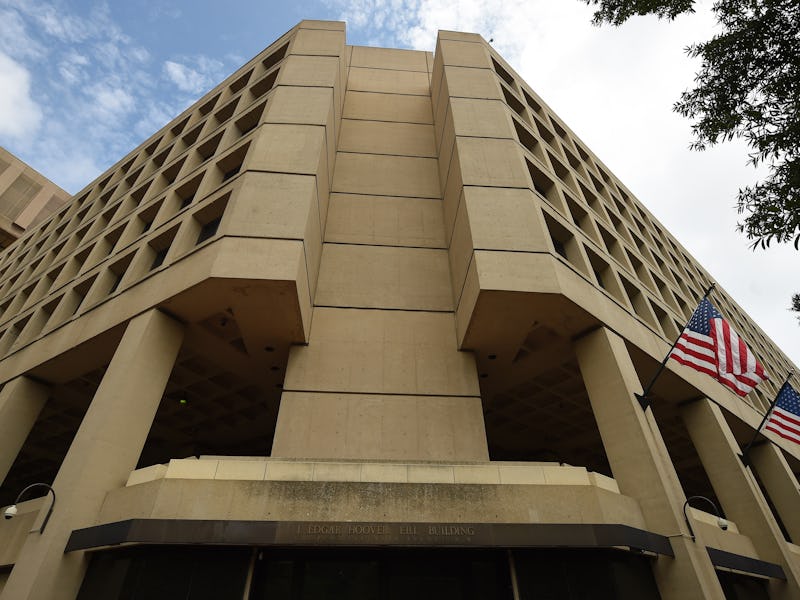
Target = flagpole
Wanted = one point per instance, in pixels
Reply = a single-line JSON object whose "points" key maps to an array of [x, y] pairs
{"points": [[644, 402], [764, 420]]}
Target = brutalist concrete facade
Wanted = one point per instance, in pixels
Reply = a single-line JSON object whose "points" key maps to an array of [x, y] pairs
{"points": [[26, 197], [383, 305]]}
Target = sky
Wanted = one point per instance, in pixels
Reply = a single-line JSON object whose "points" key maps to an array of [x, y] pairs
{"points": [[83, 83]]}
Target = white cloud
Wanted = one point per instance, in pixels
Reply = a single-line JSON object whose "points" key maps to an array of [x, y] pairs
{"points": [[72, 166], [157, 115], [196, 79], [109, 102], [73, 68], [20, 115], [65, 27], [15, 39], [186, 78], [164, 10]]}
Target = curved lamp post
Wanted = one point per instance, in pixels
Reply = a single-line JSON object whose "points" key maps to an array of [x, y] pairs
{"points": [[11, 511], [722, 523]]}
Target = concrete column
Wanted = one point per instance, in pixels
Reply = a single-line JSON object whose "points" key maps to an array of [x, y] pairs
{"points": [[21, 401], [738, 491], [781, 484], [641, 464], [105, 450]]}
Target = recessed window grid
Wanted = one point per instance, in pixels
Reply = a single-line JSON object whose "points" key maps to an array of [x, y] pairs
{"points": [[240, 83], [581, 218], [573, 161], [613, 246], [158, 248], [170, 174], [226, 112], [131, 179], [562, 173], [665, 322], [150, 159], [48, 309], [208, 219], [502, 73], [599, 187], [515, 105], [151, 148], [527, 139], [604, 275], [116, 272], [264, 85], [546, 135], [250, 120], [207, 149], [123, 175], [12, 334], [639, 302], [666, 293], [619, 227], [178, 128], [141, 188], [20, 299], [146, 218], [160, 158], [229, 166], [593, 202], [208, 106], [80, 292], [186, 193], [565, 244], [543, 185], [535, 106], [193, 134], [209, 230], [274, 58], [4, 309], [639, 269]]}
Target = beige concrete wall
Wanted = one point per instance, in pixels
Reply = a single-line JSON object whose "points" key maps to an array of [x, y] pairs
{"points": [[388, 210], [416, 492], [381, 376], [26, 197], [21, 401]]}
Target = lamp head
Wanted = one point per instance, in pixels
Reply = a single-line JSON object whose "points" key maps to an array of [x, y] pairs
{"points": [[723, 524], [10, 512]]}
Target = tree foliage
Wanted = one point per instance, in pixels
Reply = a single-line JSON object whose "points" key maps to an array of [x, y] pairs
{"points": [[748, 86]]}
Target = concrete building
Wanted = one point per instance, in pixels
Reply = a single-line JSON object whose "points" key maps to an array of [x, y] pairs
{"points": [[26, 197], [368, 323]]}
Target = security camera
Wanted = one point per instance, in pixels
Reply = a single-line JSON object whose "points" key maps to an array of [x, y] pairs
{"points": [[10, 512], [723, 524]]}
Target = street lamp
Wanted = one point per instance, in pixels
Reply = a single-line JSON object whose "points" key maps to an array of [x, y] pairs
{"points": [[722, 523], [11, 511]]}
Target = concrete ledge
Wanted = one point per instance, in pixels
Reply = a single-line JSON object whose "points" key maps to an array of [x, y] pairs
{"points": [[268, 469]]}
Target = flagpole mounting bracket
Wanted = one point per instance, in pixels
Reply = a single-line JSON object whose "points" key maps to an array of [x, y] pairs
{"points": [[644, 401]]}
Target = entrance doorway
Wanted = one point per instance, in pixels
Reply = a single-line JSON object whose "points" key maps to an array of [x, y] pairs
{"points": [[375, 573], [436, 574]]}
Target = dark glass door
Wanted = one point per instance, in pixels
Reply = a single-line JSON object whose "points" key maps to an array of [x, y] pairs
{"points": [[583, 574], [381, 574], [167, 573]]}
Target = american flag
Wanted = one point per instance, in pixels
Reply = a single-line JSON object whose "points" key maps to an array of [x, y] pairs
{"points": [[710, 345], [785, 417]]}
